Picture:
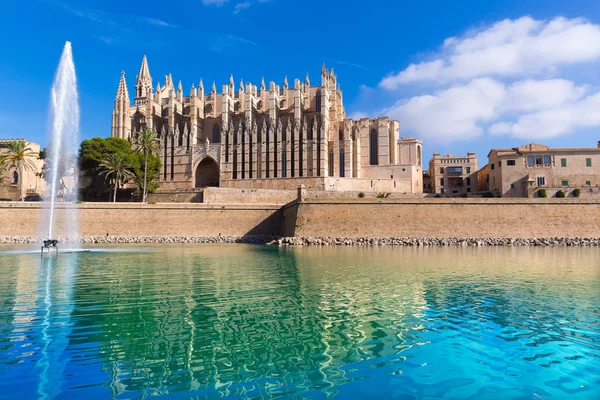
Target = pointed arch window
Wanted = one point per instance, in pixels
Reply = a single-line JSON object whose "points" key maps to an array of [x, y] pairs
{"points": [[342, 162], [318, 100], [373, 148], [331, 162], [15, 178], [216, 135]]}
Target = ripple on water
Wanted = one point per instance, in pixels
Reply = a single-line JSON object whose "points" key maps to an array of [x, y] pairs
{"points": [[258, 321]]}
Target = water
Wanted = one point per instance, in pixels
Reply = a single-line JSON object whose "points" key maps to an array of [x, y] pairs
{"points": [[64, 144], [243, 321]]}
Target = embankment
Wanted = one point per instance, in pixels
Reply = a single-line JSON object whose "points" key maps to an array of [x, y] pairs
{"points": [[444, 218], [489, 219], [134, 219]]}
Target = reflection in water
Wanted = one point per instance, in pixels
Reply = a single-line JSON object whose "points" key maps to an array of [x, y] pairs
{"points": [[257, 321]]}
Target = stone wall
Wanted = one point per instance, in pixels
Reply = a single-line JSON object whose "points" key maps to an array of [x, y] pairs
{"points": [[366, 217], [130, 219], [456, 218]]}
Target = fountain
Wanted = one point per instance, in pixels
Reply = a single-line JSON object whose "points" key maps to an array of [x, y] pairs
{"points": [[61, 164]]}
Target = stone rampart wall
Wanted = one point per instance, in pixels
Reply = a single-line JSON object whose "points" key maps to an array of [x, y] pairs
{"points": [[419, 218], [451, 218], [126, 219]]}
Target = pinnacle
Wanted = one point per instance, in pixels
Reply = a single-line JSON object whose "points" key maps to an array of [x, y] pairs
{"points": [[144, 74], [122, 92]]}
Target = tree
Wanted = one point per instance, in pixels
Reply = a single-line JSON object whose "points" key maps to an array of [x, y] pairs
{"points": [[117, 168], [147, 144], [21, 157], [93, 151], [2, 167]]}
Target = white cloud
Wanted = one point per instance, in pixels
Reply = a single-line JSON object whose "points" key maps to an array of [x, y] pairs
{"points": [[241, 6], [509, 48], [552, 122], [507, 79], [453, 113], [217, 3], [464, 111]]}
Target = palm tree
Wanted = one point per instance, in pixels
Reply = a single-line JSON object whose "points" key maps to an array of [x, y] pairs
{"points": [[21, 157], [117, 168], [148, 144], [3, 163]]}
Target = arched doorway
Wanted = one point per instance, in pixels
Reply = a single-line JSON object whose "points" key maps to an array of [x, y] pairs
{"points": [[207, 173]]}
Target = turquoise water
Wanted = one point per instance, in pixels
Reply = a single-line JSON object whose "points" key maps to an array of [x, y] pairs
{"points": [[210, 321]]}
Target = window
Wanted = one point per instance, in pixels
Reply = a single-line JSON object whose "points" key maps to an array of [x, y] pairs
{"points": [[563, 162], [442, 170], [342, 162], [216, 137], [541, 181], [510, 163], [512, 185], [468, 181], [565, 183], [318, 100], [530, 161], [588, 162], [15, 178], [468, 190], [499, 164], [589, 183], [455, 170], [547, 160], [492, 166], [442, 182], [373, 156], [468, 170], [538, 160]]}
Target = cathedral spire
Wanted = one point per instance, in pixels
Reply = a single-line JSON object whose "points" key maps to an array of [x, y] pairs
{"points": [[201, 85], [144, 71], [122, 93], [307, 80], [214, 88], [143, 83], [241, 85], [285, 82], [262, 84]]}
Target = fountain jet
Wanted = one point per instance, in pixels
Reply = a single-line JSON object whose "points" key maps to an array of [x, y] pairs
{"points": [[62, 166]]}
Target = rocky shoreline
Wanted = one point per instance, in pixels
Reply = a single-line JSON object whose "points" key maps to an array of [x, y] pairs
{"points": [[315, 241]]}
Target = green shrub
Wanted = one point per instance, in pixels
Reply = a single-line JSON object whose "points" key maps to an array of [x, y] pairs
{"points": [[542, 193], [488, 195], [560, 194], [361, 195], [382, 195], [576, 192]]}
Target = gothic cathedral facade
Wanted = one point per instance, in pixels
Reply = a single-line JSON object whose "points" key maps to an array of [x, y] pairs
{"points": [[269, 138]]}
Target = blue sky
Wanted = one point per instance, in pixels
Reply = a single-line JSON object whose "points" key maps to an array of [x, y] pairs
{"points": [[462, 76]]}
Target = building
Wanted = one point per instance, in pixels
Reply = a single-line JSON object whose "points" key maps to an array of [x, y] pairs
{"points": [[426, 182], [453, 174], [517, 172], [483, 178], [274, 137], [20, 184]]}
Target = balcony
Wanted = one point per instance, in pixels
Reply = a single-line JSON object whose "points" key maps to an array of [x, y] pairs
{"points": [[454, 171]]}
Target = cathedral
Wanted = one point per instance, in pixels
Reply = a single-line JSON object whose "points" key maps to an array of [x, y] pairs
{"points": [[260, 137]]}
